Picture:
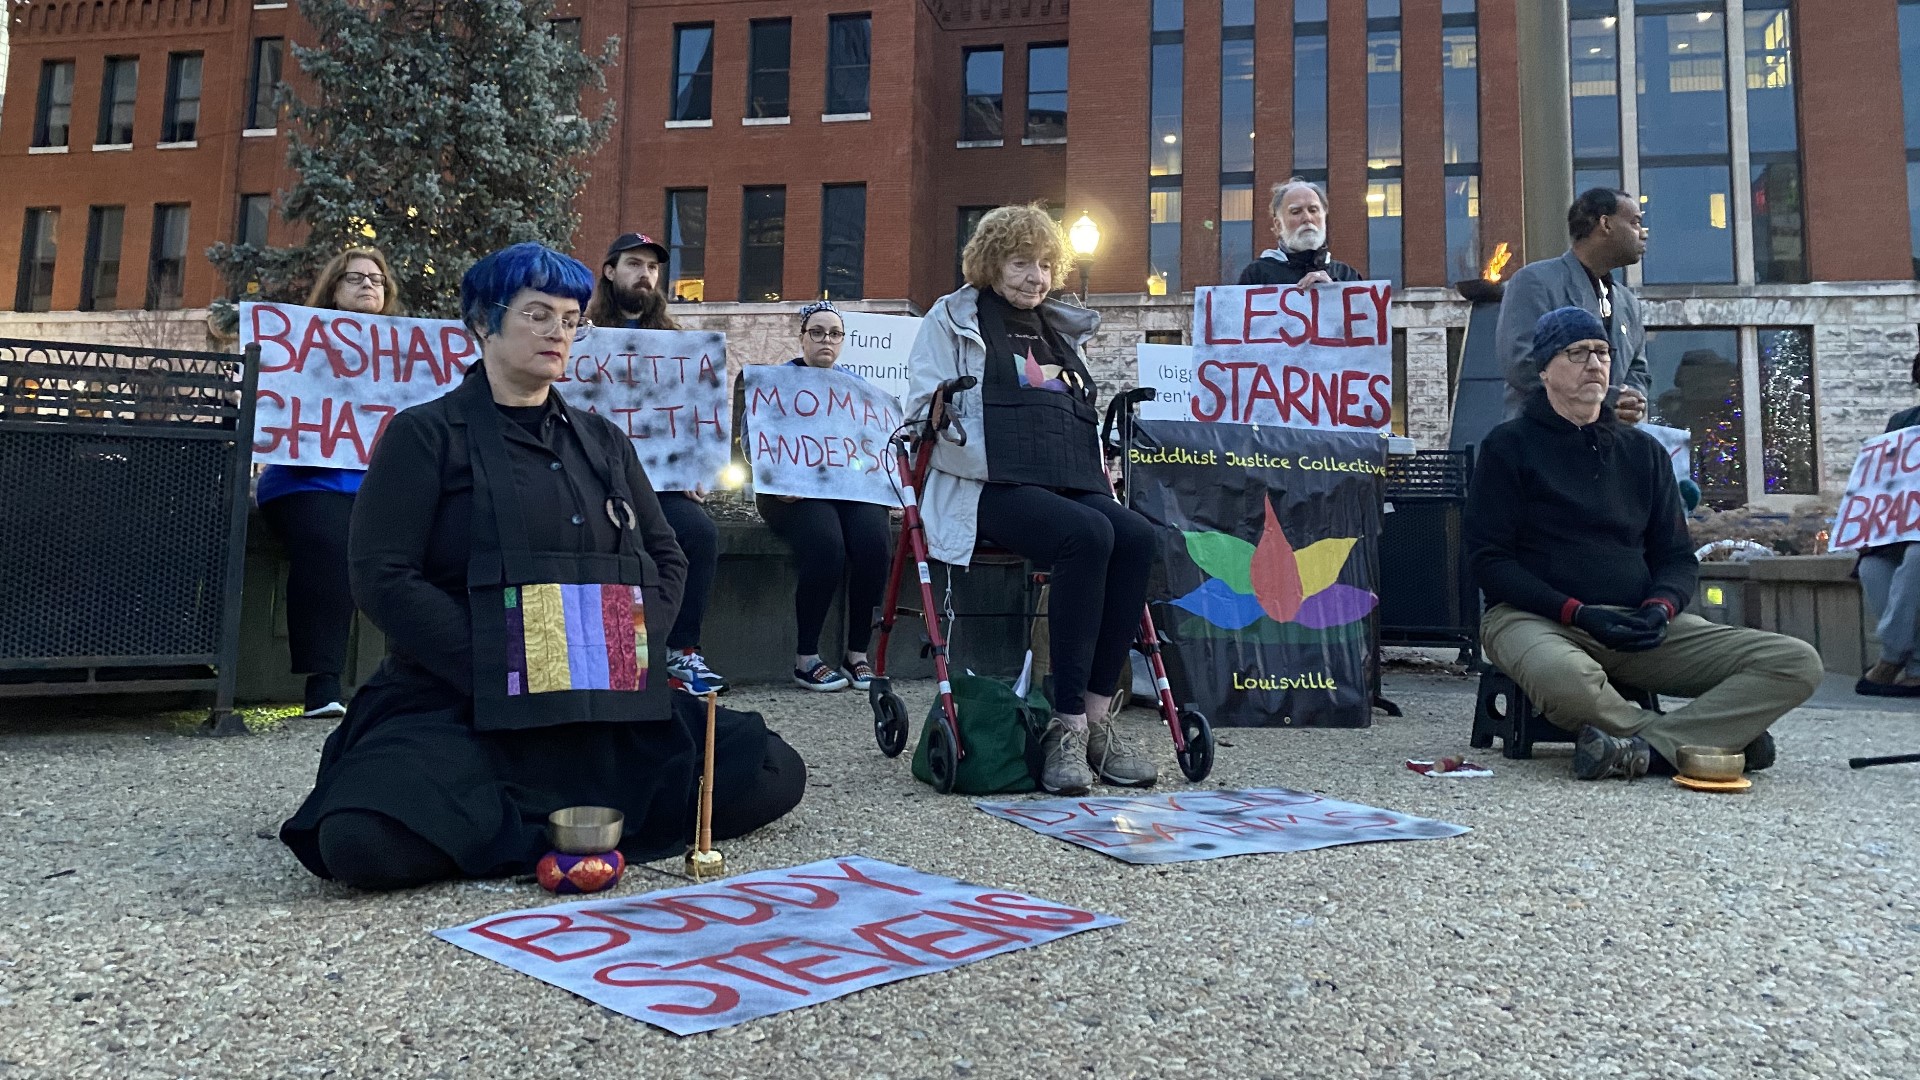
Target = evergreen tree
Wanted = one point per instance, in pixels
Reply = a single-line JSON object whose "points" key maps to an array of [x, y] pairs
{"points": [[437, 130]]}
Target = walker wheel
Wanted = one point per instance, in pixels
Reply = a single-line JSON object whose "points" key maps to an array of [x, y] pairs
{"points": [[1197, 759], [889, 724], [942, 761]]}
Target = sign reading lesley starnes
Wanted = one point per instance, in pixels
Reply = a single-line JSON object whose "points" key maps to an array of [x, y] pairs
{"points": [[1268, 566], [1317, 357], [331, 380], [1882, 503]]}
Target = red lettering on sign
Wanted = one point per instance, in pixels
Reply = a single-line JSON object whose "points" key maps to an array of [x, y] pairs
{"points": [[723, 997], [1251, 313], [271, 360], [852, 875], [551, 926]]}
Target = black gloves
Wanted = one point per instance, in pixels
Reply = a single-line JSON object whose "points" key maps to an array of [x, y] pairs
{"points": [[1636, 631]]}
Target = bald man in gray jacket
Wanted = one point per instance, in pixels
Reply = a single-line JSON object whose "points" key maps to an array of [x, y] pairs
{"points": [[1607, 235]]}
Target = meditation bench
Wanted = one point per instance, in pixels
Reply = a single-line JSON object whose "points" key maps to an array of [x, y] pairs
{"points": [[1503, 712]]}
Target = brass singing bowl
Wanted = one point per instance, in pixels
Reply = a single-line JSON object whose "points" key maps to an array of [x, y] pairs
{"points": [[586, 830], [1711, 763]]}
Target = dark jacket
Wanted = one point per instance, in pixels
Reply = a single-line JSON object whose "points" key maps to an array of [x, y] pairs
{"points": [[1543, 286], [410, 542], [1276, 267], [1589, 515]]}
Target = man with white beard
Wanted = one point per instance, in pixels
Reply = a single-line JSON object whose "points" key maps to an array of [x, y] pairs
{"points": [[1299, 210]]}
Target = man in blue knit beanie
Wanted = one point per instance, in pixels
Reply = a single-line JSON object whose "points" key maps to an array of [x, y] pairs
{"points": [[1576, 534]]}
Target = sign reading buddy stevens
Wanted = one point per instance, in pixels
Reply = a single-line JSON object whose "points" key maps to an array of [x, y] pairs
{"points": [[1270, 558]]}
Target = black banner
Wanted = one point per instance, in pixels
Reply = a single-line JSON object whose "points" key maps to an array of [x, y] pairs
{"points": [[1268, 570]]}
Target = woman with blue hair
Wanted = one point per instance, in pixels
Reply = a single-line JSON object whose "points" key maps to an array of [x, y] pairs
{"points": [[512, 551]]}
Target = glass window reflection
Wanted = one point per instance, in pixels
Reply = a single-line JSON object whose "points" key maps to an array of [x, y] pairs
{"points": [[1689, 221], [1786, 416], [1697, 387]]}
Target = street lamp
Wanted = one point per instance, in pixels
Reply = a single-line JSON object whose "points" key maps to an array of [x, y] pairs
{"points": [[1085, 237]]}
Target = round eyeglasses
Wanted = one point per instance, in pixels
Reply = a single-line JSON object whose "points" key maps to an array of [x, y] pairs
{"points": [[547, 323], [818, 336]]}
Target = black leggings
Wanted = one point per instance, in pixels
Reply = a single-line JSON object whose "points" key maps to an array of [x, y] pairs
{"points": [[831, 540], [365, 849], [693, 527], [312, 526], [1099, 554]]}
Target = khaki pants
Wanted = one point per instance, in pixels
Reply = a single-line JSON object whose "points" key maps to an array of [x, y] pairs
{"points": [[1740, 680]]}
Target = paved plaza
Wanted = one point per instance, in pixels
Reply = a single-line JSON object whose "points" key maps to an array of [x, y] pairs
{"points": [[152, 926]]}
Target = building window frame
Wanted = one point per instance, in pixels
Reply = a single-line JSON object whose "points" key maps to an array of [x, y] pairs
{"points": [[1040, 102], [119, 100], [843, 241], [180, 119], [100, 274], [253, 223], [983, 115], [769, 69], [687, 244], [39, 258], [167, 260], [849, 65], [763, 244], [263, 85], [50, 111], [690, 88]]}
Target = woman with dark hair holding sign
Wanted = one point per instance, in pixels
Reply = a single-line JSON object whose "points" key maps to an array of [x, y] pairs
{"points": [[832, 540], [308, 508], [1030, 478], [514, 554]]}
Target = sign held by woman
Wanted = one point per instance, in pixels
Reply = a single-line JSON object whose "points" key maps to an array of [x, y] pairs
{"points": [[820, 434]]}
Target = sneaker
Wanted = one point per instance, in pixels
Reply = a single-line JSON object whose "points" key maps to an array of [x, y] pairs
{"points": [[322, 698], [820, 677], [691, 669], [1598, 755], [858, 672], [1065, 771], [1760, 752], [1112, 760]]}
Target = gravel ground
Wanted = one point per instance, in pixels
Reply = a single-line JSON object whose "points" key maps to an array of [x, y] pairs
{"points": [[150, 925]]}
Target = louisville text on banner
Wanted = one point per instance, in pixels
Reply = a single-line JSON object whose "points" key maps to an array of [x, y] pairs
{"points": [[711, 956], [819, 433], [330, 381]]}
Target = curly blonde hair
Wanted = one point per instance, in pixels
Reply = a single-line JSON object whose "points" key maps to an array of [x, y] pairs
{"points": [[329, 279], [1008, 231]]}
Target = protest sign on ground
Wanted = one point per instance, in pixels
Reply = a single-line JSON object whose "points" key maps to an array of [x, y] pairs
{"points": [[1882, 503], [877, 348], [819, 433], [1268, 567], [1318, 357], [330, 381], [711, 956], [1192, 825]]}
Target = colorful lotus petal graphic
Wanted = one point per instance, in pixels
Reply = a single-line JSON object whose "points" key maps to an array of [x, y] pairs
{"points": [[1271, 580]]}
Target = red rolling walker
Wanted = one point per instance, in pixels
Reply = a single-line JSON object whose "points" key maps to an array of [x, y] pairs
{"points": [[1192, 735]]}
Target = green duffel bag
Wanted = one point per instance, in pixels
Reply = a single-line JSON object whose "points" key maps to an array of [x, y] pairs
{"points": [[1001, 734]]}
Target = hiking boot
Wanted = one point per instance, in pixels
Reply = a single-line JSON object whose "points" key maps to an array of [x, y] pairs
{"points": [[1760, 752], [1598, 755], [1112, 760], [1065, 771]]}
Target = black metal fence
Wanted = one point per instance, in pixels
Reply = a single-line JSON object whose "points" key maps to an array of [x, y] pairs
{"points": [[1427, 597], [123, 495]]}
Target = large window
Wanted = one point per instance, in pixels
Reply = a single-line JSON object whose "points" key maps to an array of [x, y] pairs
{"points": [[180, 122], [1773, 144], [1047, 92], [770, 55], [256, 215], [849, 63], [1788, 448], [1310, 87], [1593, 43], [100, 283], [1167, 69], [980, 112], [53, 114], [763, 244], [969, 220], [167, 269], [262, 113], [843, 241], [1236, 230], [687, 244], [1460, 103], [1697, 387], [1236, 99], [1384, 163], [1910, 91], [118, 86], [34, 291], [692, 73], [1685, 167]]}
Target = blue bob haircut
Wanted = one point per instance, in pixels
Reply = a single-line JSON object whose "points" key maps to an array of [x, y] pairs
{"points": [[495, 280]]}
